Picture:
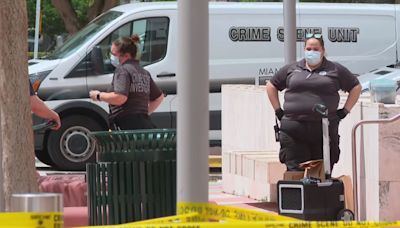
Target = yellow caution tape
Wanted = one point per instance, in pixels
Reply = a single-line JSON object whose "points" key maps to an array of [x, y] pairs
{"points": [[277, 224], [32, 219], [171, 219], [213, 211], [204, 215]]}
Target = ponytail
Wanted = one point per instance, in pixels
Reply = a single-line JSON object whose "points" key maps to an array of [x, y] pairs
{"points": [[135, 39], [128, 45]]}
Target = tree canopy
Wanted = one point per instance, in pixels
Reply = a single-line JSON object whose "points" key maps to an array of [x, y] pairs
{"points": [[51, 22], [58, 17], [63, 17]]}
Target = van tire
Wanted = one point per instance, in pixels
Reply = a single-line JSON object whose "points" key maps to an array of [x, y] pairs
{"points": [[44, 157], [70, 148]]}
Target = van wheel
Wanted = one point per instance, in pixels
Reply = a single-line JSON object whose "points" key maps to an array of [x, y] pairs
{"points": [[70, 148]]}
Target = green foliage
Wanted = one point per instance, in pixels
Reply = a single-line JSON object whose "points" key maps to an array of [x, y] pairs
{"points": [[51, 21], [52, 24], [81, 8]]}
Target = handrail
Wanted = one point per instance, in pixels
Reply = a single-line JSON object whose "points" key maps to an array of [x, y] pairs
{"points": [[354, 155]]}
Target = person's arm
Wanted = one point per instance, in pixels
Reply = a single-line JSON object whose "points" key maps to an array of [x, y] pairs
{"points": [[352, 99], [111, 98], [40, 109], [273, 97], [153, 105], [121, 85], [277, 83], [349, 83]]}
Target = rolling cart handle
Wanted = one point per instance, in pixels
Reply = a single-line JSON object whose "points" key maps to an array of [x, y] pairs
{"points": [[323, 111]]}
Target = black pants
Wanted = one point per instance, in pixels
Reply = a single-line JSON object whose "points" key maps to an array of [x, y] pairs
{"points": [[132, 122], [302, 141]]}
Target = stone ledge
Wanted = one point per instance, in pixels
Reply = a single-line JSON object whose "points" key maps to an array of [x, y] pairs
{"points": [[252, 173]]}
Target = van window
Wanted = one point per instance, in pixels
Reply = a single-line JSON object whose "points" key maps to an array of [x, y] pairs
{"points": [[80, 38], [105, 46], [153, 33]]}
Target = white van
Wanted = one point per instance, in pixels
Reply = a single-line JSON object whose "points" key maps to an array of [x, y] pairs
{"points": [[246, 45]]}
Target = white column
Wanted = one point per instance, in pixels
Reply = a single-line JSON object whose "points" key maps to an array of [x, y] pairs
{"points": [[289, 25], [193, 89], [37, 20]]}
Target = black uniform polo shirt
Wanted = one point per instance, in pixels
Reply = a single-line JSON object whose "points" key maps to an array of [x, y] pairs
{"points": [[305, 88], [133, 81]]}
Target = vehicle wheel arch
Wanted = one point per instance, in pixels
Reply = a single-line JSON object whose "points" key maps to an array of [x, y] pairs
{"points": [[85, 109], [81, 108]]}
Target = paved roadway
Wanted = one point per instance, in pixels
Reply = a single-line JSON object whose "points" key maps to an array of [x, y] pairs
{"points": [[214, 162]]}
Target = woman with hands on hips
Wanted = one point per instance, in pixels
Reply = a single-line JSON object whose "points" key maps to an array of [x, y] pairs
{"points": [[133, 95], [310, 81]]}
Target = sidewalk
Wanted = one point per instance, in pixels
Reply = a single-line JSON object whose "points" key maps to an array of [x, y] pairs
{"points": [[217, 196]]}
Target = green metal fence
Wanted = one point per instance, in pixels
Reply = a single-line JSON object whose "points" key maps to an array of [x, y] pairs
{"points": [[134, 177]]}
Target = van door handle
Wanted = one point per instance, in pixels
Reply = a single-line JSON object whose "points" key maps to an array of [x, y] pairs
{"points": [[167, 75]]}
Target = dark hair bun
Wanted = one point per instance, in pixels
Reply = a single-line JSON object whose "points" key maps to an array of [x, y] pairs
{"points": [[135, 39]]}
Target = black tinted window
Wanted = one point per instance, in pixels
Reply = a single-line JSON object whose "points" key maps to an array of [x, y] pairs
{"points": [[153, 33]]}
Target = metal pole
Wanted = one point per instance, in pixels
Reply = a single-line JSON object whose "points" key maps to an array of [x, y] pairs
{"points": [[193, 111], [362, 182], [354, 167], [289, 25], [37, 20]]}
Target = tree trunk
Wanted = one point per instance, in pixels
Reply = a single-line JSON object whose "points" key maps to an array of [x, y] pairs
{"points": [[18, 158], [108, 4], [100, 6], [95, 9], [68, 15]]}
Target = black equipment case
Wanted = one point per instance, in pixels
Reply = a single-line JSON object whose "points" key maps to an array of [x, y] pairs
{"points": [[311, 199], [322, 201]]}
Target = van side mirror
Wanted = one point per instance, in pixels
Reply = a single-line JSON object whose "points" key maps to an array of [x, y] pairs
{"points": [[97, 61]]}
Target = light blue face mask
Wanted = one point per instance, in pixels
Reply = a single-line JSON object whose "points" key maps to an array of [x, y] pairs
{"points": [[312, 57], [114, 60]]}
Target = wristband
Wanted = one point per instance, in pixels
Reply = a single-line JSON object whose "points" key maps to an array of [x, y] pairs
{"points": [[98, 96]]}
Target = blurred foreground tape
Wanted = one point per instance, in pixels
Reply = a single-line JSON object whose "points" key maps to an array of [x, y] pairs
{"points": [[32, 219]]}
